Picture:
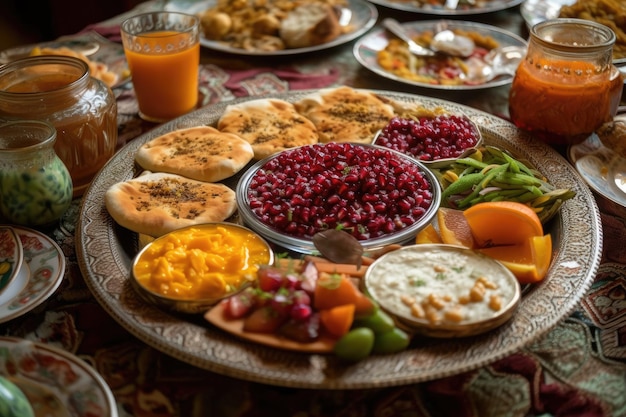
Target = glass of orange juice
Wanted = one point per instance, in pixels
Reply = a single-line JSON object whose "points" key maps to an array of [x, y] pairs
{"points": [[163, 54]]}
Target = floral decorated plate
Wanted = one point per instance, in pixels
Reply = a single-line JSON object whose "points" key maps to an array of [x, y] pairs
{"points": [[44, 267], [11, 256], [55, 382]]}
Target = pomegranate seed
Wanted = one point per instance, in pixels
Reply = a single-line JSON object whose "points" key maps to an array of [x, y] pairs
{"points": [[364, 190], [430, 139], [300, 312]]}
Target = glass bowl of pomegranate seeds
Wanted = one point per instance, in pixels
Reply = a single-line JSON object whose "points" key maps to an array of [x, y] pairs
{"points": [[376, 194], [435, 140]]}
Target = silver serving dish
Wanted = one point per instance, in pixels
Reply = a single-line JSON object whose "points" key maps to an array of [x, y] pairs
{"points": [[188, 305], [105, 252]]}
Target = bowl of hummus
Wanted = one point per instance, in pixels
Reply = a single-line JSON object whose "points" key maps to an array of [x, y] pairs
{"points": [[443, 290]]}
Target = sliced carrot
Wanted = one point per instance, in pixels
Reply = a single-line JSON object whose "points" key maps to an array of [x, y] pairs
{"points": [[315, 259], [338, 320], [347, 269], [333, 290], [289, 264]]}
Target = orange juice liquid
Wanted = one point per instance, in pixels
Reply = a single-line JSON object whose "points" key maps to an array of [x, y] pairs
{"points": [[559, 108], [166, 84]]}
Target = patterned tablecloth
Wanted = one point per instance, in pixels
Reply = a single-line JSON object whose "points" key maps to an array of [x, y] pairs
{"points": [[577, 369]]}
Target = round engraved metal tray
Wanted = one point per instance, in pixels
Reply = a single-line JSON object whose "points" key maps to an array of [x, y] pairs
{"points": [[105, 252]]}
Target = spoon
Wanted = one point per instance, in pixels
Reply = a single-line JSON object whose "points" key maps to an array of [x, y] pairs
{"points": [[498, 61], [445, 41], [396, 28]]}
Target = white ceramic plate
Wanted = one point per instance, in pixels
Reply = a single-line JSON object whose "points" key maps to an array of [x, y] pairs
{"points": [[366, 50], [602, 169], [91, 44], [359, 14], [481, 6], [44, 268], [55, 382], [105, 252], [536, 11]]}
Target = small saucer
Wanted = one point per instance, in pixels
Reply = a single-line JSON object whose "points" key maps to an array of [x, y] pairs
{"points": [[11, 256], [601, 168], [41, 274]]}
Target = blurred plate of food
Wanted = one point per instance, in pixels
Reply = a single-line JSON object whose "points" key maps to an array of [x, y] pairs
{"points": [[55, 382], [105, 58], [438, 7], [386, 55], [279, 27], [601, 160], [611, 13]]}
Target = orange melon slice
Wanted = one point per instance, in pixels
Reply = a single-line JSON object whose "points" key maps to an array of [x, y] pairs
{"points": [[502, 223], [529, 261]]}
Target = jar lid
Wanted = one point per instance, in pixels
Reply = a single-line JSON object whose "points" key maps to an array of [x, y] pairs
{"points": [[18, 136], [573, 35]]}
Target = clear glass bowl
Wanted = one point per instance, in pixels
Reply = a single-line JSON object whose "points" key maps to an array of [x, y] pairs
{"points": [[305, 245]]}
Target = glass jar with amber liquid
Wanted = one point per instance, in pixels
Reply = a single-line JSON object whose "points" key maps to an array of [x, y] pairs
{"points": [[566, 86], [60, 90]]}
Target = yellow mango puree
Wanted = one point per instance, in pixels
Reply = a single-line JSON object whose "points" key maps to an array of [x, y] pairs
{"points": [[202, 262]]}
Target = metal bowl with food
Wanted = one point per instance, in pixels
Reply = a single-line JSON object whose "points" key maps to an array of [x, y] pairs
{"points": [[376, 194], [191, 269], [443, 290]]}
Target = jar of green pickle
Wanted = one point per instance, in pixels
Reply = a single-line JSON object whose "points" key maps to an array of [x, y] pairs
{"points": [[35, 185]]}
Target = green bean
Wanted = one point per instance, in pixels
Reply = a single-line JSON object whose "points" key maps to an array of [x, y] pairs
{"points": [[463, 184], [513, 163], [511, 179], [521, 179], [471, 162], [493, 173], [526, 197]]}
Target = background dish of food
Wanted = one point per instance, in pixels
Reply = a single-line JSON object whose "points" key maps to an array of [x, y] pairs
{"points": [[535, 11], [418, 6], [105, 252], [601, 168], [95, 47], [366, 50], [359, 14]]}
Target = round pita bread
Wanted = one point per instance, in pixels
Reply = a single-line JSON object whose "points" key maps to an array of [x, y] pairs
{"points": [[157, 203], [344, 114], [202, 153], [269, 125]]}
